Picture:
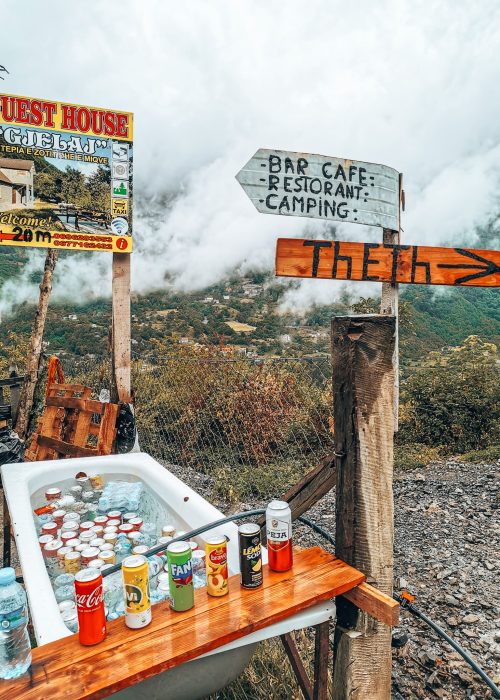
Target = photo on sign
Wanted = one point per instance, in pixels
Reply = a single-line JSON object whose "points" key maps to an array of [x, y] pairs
{"points": [[55, 183]]}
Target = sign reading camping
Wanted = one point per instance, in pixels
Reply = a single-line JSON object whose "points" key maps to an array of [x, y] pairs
{"points": [[322, 187], [377, 262], [65, 175]]}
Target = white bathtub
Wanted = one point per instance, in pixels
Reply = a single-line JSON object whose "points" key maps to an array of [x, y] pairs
{"points": [[190, 680]]}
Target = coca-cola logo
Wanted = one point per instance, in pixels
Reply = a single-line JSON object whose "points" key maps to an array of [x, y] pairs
{"points": [[217, 557], [91, 600]]}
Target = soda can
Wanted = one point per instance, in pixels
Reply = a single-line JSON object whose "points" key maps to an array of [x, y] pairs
{"points": [[80, 547], [86, 525], [194, 545], [61, 557], [87, 536], [96, 563], [140, 549], [69, 526], [113, 522], [279, 536], [109, 538], [180, 572], [67, 605], [73, 543], [96, 481], [135, 575], [43, 539], [53, 494], [115, 515], [70, 619], [110, 528], [101, 520], [67, 536], [50, 528], [72, 562], [89, 554], [168, 531], [58, 516], [106, 547], [250, 555], [84, 482], [96, 542], [90, 607], [125, 528], [98, 530], [129, 516], [134, 535], [71, 516], [51, 548], [216, 563], [136, 523], [108, 557]]}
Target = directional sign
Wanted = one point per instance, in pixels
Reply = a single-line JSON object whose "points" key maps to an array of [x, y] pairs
{"points": [[378, 262], [322, 187]]}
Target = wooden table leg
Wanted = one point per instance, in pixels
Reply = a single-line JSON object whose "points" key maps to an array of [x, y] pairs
{"points": [[298, 667], [6, 532], [321, 650]]}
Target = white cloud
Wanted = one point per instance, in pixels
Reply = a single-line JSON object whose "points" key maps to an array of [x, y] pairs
{"points": [[414, 85]]}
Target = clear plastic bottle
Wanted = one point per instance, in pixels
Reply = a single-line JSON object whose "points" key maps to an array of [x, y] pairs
{"points": [[15, 648]]}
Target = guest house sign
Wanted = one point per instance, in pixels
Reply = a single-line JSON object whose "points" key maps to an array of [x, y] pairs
{"points": [[65, 175], [322, 187]]}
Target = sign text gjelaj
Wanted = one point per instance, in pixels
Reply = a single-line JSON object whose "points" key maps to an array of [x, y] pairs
{"points": [[303, 184]]}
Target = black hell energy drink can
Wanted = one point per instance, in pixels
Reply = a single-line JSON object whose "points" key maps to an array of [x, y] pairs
{"points": [[250, 555]]}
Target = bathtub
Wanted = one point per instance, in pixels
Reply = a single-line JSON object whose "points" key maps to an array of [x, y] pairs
{"points": [[188, 681]]}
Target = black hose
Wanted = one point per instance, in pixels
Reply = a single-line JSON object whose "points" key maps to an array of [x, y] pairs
{"points": [[452, 643], [189, 535], [317, 529]]}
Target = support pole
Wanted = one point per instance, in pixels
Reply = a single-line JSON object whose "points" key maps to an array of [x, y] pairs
{"points": [[389, 304], [36, 344], [363, 384], [120, 333]]}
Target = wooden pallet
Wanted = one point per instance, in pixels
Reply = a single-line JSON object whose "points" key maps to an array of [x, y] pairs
{"points": [[72, 425]]}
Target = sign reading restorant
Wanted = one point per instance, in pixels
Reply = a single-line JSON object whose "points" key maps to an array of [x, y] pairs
{"points": [[305, 184], [377, 262], [65, 175]]}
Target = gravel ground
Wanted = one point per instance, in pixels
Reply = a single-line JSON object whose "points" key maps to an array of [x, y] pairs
{"points": [[447, 554]]}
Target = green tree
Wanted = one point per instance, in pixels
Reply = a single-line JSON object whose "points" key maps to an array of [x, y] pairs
{"points": [[74, 188]]}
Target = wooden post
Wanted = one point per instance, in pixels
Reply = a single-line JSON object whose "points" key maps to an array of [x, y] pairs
{"points": [[363, 384], [120, 333], [36, 344]]}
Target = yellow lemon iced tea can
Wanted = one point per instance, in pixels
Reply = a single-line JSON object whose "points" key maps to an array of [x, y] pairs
{"points": [[216, 564], [135, 573]]}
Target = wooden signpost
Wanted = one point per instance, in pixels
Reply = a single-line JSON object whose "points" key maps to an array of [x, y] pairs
{"points": [[391, 263]]}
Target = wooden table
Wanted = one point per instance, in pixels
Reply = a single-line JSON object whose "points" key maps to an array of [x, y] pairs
{"points": [[65, 669]]}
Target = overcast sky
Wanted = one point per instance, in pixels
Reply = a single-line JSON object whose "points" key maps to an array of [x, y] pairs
{"points": [[414, 85]]}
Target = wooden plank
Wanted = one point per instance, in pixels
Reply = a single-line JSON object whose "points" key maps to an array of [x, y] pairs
{"points": [[377, 604], [108, 429], [66, 670], [324, 187], [11, 381], [363, 381], [297, 666], [65, 448], [378, 262], [70, 402], [389, 304], [121, 353], [321, 653], [56, 388]]}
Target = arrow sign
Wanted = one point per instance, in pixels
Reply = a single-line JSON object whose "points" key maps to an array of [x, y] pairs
{"points": [[378, 262], [322, 187]]}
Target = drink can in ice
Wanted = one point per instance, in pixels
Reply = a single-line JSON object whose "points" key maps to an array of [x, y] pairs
{"points": [[250, 555], [279, 536], [135, 575], [90, 606], [180, 571]]}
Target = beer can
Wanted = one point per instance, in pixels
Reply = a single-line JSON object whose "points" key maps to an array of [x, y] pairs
{"points": [[50, 528], [98, 530], [279, 536], [216, 563], [250, 555], [168, 531], [109, 538], [58, 516], [43, 539], [89, 554], [115, 515], [108, 556], [180, 572], [53, 494], [135, 573], [72, 562], [90, 607], [96, 481]]}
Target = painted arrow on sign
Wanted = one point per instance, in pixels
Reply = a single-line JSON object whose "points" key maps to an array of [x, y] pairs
{"points": [[378, 262], [322, 187]]}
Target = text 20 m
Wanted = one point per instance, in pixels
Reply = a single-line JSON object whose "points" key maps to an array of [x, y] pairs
{"points": [[28, 236]]}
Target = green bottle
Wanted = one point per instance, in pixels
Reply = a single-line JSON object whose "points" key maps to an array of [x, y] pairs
{"points": [[180, 576]]}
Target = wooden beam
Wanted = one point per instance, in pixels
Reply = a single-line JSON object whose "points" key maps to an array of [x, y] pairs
{"points": [[363, 381], [376, 262], [321, 653], [389, 304], [297, 666], [377, 604], [65, 448], [120, 336]]}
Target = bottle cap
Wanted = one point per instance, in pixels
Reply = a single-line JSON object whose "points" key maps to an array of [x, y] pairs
{"points": [[7, 575]]}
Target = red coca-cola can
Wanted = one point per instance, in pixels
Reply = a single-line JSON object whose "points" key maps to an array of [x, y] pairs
{"points": [[50, 528], [101, 520], [279, 536], [136, 523], [90, 607], [53, 494], [58, 516], [125, 528]]}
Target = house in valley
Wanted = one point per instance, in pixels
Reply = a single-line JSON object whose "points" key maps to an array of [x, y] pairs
{"points": [[16, 184]]}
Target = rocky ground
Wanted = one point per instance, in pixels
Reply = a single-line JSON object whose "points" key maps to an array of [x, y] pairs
{"points": [[447, 554]]}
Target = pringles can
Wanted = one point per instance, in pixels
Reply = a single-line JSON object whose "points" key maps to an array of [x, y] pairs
{"points": [[250, 555], [180, 576], [135, 574], [216, 564], [90, 607], [279, 536]]}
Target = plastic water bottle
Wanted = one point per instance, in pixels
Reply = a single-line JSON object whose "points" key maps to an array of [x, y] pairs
{"points": [[15, 648]]}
